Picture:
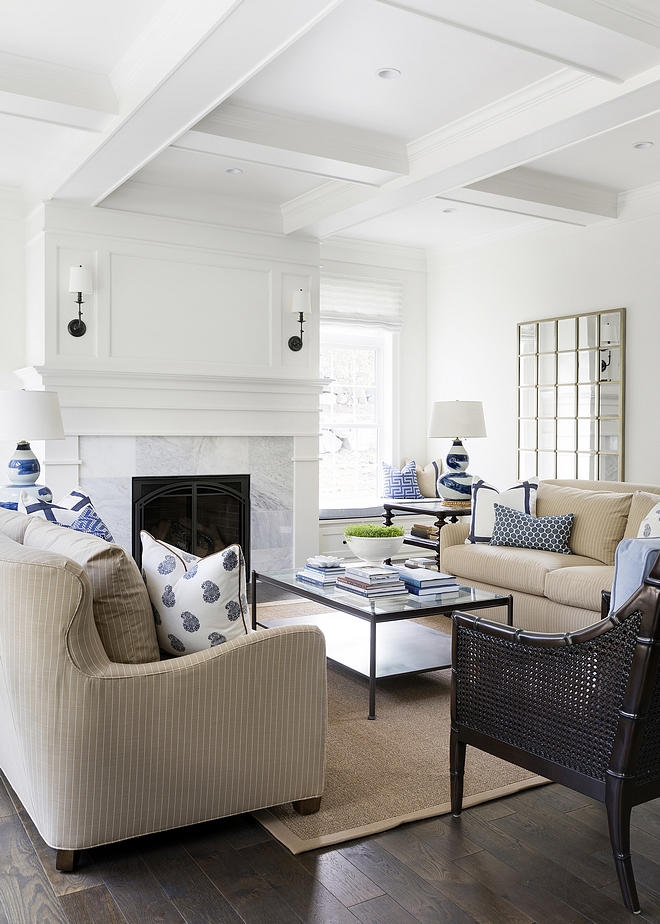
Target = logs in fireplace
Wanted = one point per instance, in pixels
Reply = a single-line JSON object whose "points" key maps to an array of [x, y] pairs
{"points": [[198, 514]]}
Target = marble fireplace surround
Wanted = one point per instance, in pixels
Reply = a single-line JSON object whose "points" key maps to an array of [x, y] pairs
{"points": [[120, 425]]}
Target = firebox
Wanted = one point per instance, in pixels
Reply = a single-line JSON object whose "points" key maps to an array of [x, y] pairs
{"points": [[200, 514]]}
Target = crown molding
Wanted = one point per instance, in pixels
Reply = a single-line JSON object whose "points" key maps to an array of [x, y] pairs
{"points": [[373, 253]]}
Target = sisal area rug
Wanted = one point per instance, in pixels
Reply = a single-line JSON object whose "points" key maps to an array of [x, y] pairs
{"points": [[393, 770]]}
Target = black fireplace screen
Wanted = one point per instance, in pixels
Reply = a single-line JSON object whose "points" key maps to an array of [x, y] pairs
{"points": [[201, 514]]}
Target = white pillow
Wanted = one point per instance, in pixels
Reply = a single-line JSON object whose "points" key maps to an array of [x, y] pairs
{"points": [[649, 528], [197, 602], [520, 497], [427, 478], [75, 511]]}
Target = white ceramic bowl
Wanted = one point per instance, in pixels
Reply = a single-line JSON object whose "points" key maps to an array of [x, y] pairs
{"points": [[372, 550]]}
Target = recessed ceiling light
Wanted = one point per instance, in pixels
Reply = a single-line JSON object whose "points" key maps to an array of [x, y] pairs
{"points": [[449, 211], [233, 170], [388, 73], [640, 145]]}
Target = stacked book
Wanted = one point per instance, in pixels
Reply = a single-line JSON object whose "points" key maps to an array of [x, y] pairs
{"points": [[321, 570], [422, 583], [421, 562], [371, 581], [424, 531]]}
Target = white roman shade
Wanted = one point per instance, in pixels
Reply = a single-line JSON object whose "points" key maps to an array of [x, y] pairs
{"points": [[362, 300]]}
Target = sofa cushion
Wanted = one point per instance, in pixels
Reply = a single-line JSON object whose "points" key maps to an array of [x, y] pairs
{"points": [[198, 603], [642, 504], [484, 497], [13, 524], [122, 611], [579, 586], [83, 518], [600, 518], [522, 531], [517, 569], [401, 484]]}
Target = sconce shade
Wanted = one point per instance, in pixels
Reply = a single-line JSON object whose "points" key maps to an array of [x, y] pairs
{"points": [[80, 280], [30, 415], [457, 419], [301, 301]]}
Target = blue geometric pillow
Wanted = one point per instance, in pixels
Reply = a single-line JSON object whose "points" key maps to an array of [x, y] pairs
{"points": [[522, 531], [82, 517], [401, 484]]}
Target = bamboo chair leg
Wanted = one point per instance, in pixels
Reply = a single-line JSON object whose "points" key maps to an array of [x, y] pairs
{"points": [[456, 772], [618, 817]]}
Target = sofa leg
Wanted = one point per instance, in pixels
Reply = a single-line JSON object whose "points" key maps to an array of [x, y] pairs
{"points": [[66, 861], [307, 806]]}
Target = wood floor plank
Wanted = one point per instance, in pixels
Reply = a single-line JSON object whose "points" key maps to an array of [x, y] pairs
{"points": [[132, 886], [187, 887], [649, 902], [242, 831], [448, 840], [405, 886], [229, 871], [91, 906], [6, 805], [25, 893], [461, 888], [383, 910], [540, 905], [340, 877], [309, 898], [558, 797], [546, 874], [646, 871]]}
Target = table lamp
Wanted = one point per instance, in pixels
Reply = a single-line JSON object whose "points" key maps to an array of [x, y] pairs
{"points": [[449, 418], [24, 416]]}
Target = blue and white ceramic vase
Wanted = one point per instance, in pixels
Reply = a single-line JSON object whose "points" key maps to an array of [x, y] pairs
{"points": [[456, 485]]}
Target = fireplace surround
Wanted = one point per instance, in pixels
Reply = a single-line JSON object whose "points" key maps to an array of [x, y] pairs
{"points": [[199, 514]]}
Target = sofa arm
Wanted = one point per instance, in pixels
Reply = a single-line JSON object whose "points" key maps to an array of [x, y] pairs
{"points": [[453, 534]]}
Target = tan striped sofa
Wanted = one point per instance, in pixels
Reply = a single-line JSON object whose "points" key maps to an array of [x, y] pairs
{"points": [[554, 592], [100, 751]]}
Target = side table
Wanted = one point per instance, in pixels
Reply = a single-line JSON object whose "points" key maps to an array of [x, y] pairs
{"points": [[437, 509]]}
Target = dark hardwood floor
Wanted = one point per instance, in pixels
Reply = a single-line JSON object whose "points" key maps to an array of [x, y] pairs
{"points": [[538, 856]]}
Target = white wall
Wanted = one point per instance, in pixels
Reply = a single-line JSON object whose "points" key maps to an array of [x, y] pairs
{"points": [[477, 298], [12, 308]]}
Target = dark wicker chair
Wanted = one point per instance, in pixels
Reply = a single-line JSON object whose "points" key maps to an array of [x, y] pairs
{"points": [[582, 709]]}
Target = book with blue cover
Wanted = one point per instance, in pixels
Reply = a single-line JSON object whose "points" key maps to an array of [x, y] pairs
{"points": [[422, 577]]}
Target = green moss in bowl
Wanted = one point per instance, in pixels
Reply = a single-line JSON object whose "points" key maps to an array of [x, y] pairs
{"points": [[372, 531]]}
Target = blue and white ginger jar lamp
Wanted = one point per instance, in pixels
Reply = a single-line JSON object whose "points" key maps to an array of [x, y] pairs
{"points": [[27, 415], [449, 418]]}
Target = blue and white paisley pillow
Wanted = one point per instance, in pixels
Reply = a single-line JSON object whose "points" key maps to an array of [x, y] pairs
{"points": [[522, 531], [649, 528], [401, 484], [198, 603], [75, 511]]}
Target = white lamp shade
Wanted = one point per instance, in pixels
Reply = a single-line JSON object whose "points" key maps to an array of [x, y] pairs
{"points": [[30, 415], [80, 280], [457, 419], [301, 300]]}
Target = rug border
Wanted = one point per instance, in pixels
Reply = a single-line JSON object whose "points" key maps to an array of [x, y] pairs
{"points": [[297, 845]]}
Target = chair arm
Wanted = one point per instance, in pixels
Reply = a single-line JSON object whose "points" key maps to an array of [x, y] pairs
{"points": [[453, 534]]}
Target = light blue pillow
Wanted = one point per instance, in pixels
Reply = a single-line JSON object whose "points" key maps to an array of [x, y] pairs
{"points": [[633, 560], [401, 485], [521, 531], [81, 516]]}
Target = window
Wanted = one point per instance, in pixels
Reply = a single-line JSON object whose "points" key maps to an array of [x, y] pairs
{"points": [[360, 318], [356, 413]]}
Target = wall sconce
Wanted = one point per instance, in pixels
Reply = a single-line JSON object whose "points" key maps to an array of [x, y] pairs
{"points": [[301, 302], [80, 280]]}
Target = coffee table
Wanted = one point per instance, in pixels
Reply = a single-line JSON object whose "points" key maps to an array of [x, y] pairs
{"points": [[374, 637]]}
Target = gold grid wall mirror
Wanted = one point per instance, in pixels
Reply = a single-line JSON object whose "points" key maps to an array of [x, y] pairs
{"points": [[570, 396]]}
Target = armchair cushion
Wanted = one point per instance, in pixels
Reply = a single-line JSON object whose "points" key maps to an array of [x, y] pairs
{"points": [[198, 602], [122, 611], [634, 560]]}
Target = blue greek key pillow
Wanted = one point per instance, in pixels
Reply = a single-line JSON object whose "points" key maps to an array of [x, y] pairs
{"points": [[522, 531], [401, 484]]}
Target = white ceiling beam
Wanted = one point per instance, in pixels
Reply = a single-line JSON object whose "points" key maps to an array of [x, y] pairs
{"points": [[306, 145], [53, 93], [206, 72], [540, 195], [542, 29], [474, 157], [626, 18]]}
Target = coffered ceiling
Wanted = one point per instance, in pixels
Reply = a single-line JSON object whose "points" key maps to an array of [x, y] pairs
{"points": [[506, 114]]}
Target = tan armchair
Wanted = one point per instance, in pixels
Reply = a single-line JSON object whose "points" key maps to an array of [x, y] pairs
{"points": [[99, 751]]}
